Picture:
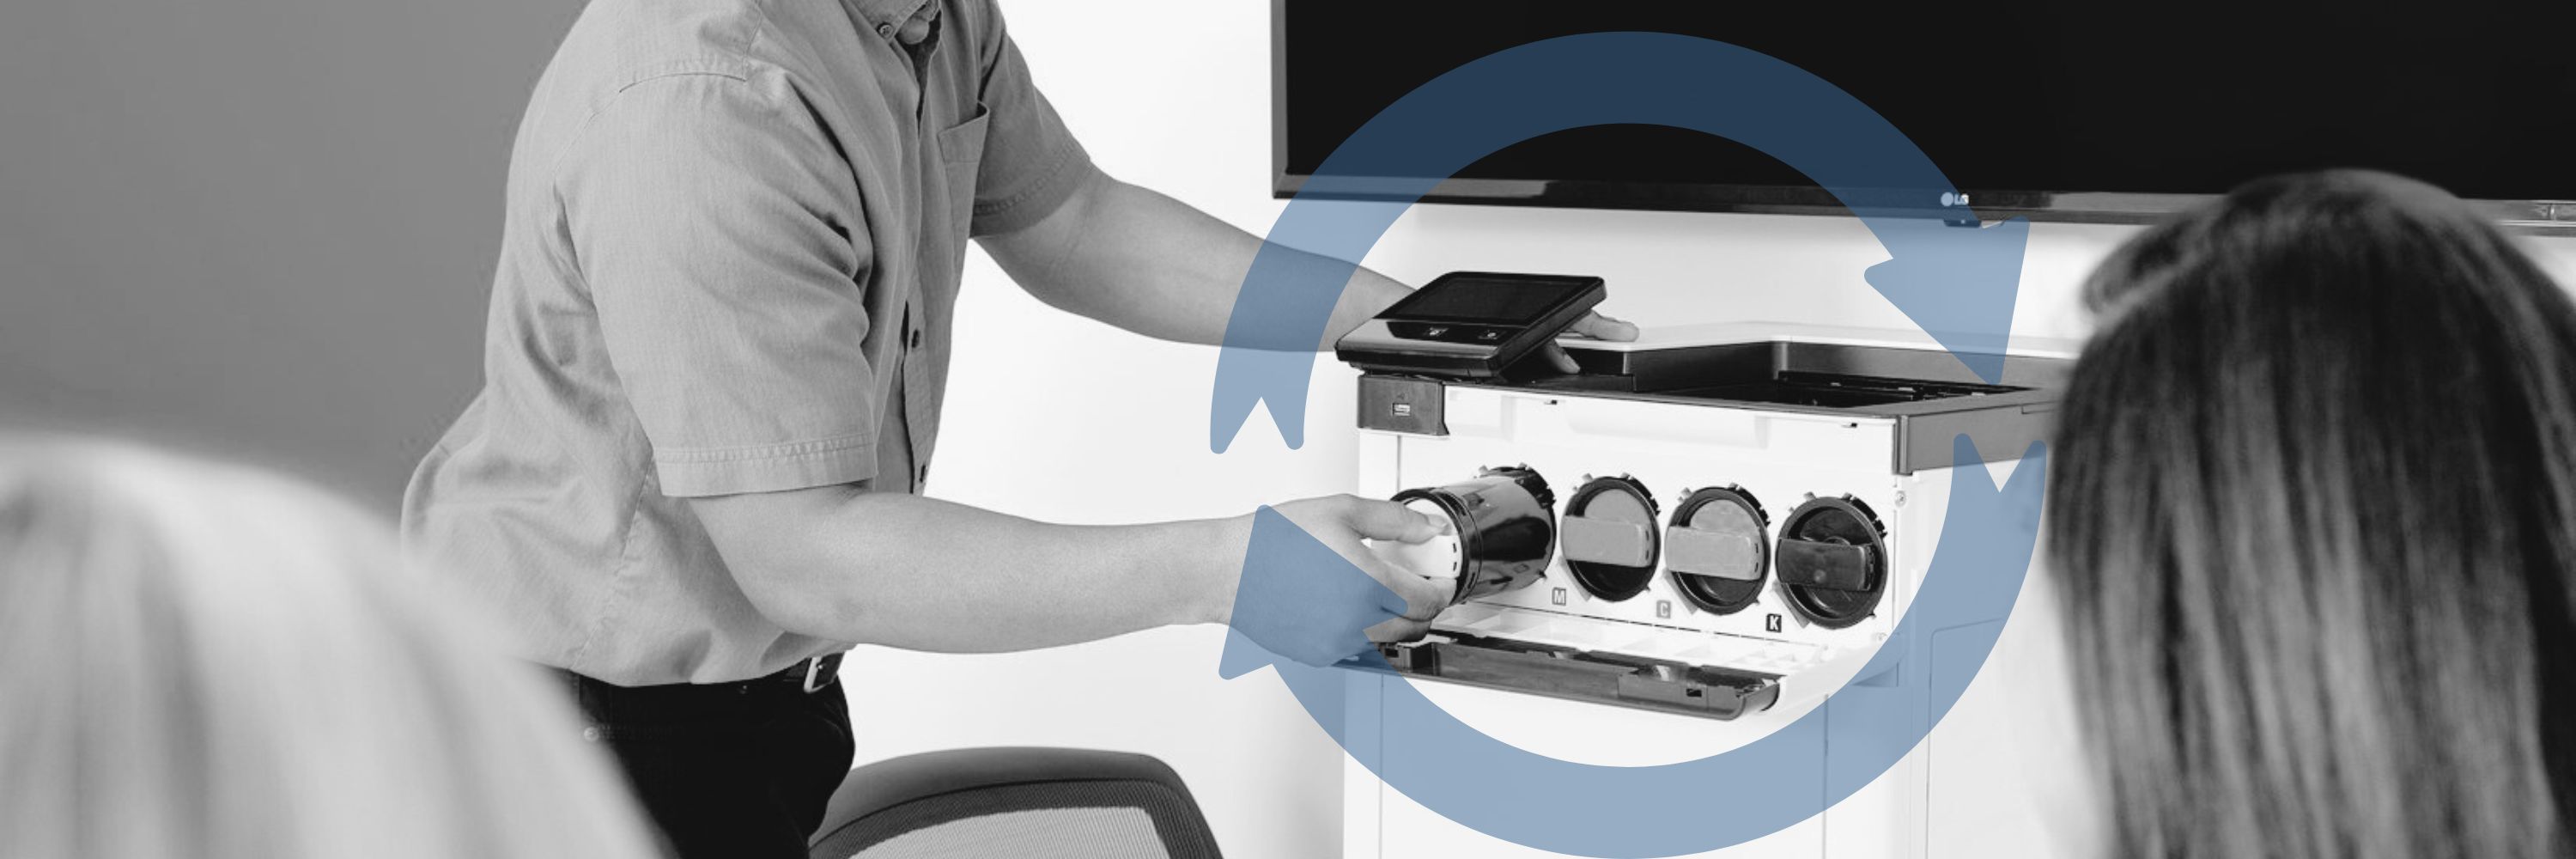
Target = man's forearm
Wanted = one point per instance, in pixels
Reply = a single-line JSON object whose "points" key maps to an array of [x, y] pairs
{"points": [[923, 574], [1153, 265]]}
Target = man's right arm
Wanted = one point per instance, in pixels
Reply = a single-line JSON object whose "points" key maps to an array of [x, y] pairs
{"points": [[918, 573], [709, 216]]}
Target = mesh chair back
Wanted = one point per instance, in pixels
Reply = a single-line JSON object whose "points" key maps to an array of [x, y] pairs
{"points": [[1019, 802]]}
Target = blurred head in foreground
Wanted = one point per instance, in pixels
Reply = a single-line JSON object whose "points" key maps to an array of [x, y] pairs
{"points": [[2314, 503], [202, 660]]}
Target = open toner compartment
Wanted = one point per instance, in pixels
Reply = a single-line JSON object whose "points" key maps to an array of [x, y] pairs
{"points": [[1710, 675]]}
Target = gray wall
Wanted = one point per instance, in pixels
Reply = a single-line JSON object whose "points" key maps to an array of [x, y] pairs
{"points": [[261, 227]]}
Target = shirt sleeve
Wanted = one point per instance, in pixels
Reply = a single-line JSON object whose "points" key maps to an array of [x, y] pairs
{"points": [[1031, 163], [710, 217]]}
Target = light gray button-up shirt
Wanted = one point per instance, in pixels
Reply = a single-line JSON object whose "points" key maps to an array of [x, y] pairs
{"points": [[731, 247]]}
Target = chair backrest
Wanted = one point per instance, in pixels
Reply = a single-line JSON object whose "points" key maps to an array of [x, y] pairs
{"points": [[1037, 803]]}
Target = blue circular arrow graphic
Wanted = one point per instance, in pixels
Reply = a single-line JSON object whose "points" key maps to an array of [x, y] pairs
{"points": [[1957, 283]]}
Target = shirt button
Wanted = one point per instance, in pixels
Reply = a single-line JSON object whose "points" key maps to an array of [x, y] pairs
{"points": [[886, 30], [590, 733]]}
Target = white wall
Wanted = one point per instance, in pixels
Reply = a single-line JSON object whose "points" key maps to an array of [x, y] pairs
{"points": [[259, 227], [1063, 419]]}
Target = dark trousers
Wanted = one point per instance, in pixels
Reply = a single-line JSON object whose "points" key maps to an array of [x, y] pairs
{"points": [[725, 770]]}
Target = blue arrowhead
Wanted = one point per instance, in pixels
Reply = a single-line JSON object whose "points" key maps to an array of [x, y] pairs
{"points": [[1280, 313], [1296, 589], [1242, 657], [1956, 283], [1246, 377]]}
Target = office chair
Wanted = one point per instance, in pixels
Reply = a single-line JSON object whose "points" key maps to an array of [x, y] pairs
{"points": [[1036, 803]]}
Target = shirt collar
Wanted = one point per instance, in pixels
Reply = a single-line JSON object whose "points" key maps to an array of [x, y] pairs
{"points": [[884, 16]]}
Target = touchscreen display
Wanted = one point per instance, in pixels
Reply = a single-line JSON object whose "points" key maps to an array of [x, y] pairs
{"points": [[1490, 302]]}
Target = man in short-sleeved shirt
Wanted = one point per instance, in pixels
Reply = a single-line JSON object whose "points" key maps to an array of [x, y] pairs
{"points": [[717, 344]]}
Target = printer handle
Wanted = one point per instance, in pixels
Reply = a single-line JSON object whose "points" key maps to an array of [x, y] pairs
{"points": [[1822, 564]]}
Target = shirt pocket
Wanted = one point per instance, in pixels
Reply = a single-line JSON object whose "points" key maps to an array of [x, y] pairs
{"points": [[961, 157]]}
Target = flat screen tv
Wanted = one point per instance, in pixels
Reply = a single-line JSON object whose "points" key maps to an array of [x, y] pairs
{"points": [[2056, 111]]}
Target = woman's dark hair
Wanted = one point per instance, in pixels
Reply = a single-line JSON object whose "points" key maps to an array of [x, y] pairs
{"points": [[2314, 505]]}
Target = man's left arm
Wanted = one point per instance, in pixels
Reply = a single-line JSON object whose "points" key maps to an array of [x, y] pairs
{"points": [[1087, 243], [1153, 265], [1147, 263]]}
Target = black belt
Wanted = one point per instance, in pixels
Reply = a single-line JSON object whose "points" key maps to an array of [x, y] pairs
{"points": [[812, 675], [806, 676]]}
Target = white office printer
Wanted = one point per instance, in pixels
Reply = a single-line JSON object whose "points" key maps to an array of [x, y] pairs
{"points": [[1691, 543]]}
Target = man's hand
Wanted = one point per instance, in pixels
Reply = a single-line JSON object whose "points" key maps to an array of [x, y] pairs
{"points": [[1319, 634], [1593, 325]]}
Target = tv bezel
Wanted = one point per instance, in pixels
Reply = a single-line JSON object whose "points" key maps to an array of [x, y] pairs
{"points": [[2543, 217]]}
